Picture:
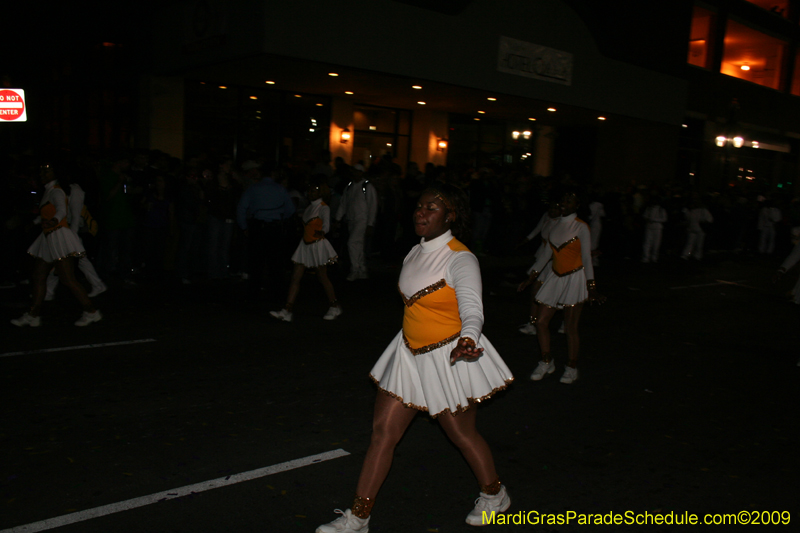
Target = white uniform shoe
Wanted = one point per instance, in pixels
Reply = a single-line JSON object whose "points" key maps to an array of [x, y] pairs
{"points": [[283, 314], [347, 523], [97, 290], [27, 320], [332, 313], [486, 505], [570, 375], [528, 329], [88, 318], [543, 369]]}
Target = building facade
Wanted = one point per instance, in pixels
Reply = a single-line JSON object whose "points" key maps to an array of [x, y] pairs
{"points": [[463, 83]]}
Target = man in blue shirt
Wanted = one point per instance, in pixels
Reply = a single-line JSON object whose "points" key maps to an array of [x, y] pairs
{"points": [[261, 214]]}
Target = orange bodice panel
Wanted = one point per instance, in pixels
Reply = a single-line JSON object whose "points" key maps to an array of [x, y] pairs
{"points": [[310, 230], [431, 318], [567, 257]]}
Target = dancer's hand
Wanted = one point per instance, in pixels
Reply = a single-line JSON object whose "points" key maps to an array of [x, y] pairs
{"points": [[522, 286], [595, 296], [466, 349]]}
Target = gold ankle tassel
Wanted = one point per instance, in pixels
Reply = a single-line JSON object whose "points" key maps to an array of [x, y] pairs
{"points": [[533, 320], [492, 488], [363, 506]]}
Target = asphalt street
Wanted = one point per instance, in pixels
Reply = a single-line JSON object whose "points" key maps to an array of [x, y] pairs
{"points": [[687, 403]]}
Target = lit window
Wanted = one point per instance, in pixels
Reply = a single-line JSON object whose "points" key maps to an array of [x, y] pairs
{"points": [[764, 55], [779, 7], [701, 37], [796, 79]]}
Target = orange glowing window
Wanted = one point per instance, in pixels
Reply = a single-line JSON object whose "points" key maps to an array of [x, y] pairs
{"points": [[779, 7], [753, 56], [796, 79], [701, 37]]}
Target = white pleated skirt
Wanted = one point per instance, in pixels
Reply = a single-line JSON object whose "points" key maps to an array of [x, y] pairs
{"points": [[428, 382], [316, 254], [56, 245], [563, 291]]}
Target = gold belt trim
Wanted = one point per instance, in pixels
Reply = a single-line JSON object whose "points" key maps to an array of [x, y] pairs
{"points": [[430, 347], [567, 273], [422, 292]]}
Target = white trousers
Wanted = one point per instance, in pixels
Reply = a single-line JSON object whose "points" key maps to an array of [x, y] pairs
{"points": [[88, 270], [694, 245], [652, 244], [766, 241], [357, 229]]}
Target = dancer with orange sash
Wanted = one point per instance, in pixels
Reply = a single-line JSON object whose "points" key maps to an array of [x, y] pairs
{"points": [[57, 247], [314, 251], [569, 285], [439, 363]]}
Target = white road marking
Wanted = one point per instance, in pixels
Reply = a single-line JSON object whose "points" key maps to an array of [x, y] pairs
{"points": [[105, 510], [66, 348]]}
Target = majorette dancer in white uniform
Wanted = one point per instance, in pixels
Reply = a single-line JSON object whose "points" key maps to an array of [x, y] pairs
{"points": [[74, 207], [57, 247], [570, 284], [438, 363], [314, 251], [545, 225]]}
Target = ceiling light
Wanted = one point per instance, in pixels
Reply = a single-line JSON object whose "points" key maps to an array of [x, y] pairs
{"points": [[348, 92], [492, 99], [482, 112], [551, 109], [745, 67], [601, 118], [476, 118], [531, 118], [270, 82], [254, 98], [422, 103], [298, 96], [319, 105], [332, 74], [416, 86], [222, 87]]}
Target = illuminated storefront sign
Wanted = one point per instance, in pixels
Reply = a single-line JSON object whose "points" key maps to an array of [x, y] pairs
{"points": [[534, 61], [12, 105]]}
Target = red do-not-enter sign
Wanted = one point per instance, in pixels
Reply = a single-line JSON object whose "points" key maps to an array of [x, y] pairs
{"points": [[12, 105]]}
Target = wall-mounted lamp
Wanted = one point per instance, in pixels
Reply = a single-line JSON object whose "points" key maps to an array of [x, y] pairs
{"points": [[345, 136], [526, 134], [515, 135], [441, 145], [737, 141]]}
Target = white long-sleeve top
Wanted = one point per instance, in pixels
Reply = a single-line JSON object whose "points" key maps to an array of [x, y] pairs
{"points": [[694, 217], [431, 261], [359, 202], [793, 257], [569, 228], [317, 209], [76, 199], [655, 216], [768, 216], [54, 194], [597, 212], [544, 226]]}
